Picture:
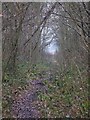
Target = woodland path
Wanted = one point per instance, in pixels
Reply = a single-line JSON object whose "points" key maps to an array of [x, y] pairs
{"points": [[26, 105]]}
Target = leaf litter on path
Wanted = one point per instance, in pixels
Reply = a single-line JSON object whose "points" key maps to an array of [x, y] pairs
{"points": [[25, 105]]}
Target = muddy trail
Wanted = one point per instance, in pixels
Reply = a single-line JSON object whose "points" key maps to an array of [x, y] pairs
{"points": [[26, 105]]}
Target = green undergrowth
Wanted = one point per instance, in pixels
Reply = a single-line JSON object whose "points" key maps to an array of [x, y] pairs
{"points": [[38, 71], [14, 84], [66, 96]]}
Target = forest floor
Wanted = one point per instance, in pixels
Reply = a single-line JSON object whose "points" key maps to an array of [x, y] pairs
{"points": [[43, 93], [26, 105]]}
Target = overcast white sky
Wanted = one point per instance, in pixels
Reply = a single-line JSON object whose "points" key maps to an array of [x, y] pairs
{"points": [[52, 48]]}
